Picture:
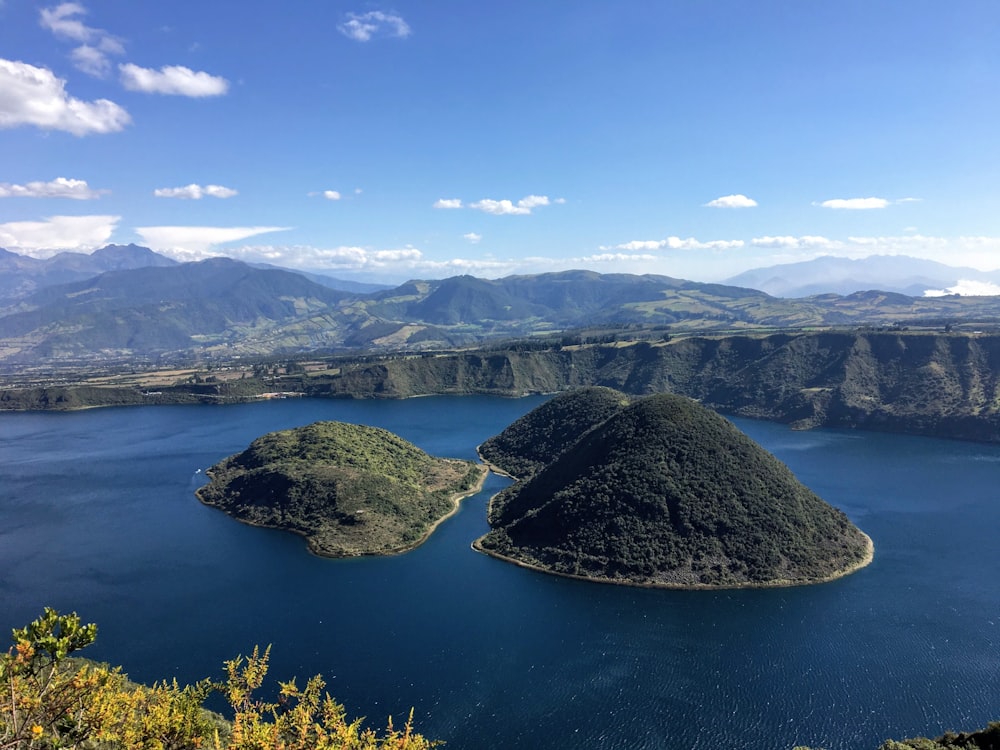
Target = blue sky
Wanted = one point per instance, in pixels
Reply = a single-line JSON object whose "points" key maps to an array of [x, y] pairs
{"points": [[692, 138]]}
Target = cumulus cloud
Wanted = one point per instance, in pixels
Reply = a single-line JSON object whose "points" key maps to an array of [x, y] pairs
{"points": [[400, 262], [60, 187], [499, 208], [676, 243], [362, 27], [533, 201], [967, 288], [42, 239], [194, 243], [508, 207], [30, 95], [172, 80], [732, 201], [786, 242], [331, 195], [342, 257], [855, 204], [195, 192], [448, 203], [91, 60], [64, 21], [472, 237], [617, 258]]}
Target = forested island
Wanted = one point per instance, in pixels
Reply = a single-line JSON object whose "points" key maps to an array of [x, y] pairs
{"points": [[661, 492], [348, 489]]}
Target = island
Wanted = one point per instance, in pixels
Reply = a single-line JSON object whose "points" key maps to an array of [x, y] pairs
{"points": [[663, 492], [348, 489]]}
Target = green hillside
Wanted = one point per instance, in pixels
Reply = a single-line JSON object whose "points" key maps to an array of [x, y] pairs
{"points": [[348, 489], [534, 440], [665, 492], [223, 308]]}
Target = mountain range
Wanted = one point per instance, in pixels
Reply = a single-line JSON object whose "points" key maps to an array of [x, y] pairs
{"points": [[222, 307], [887, 273]]}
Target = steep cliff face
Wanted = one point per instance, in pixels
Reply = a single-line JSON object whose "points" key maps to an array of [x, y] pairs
{"points": [[946, 385]]}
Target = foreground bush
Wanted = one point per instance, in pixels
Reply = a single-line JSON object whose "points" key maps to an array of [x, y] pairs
{"points": [[50, 700]]}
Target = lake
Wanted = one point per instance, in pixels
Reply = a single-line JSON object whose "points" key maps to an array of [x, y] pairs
{"points": [[98, 515]]}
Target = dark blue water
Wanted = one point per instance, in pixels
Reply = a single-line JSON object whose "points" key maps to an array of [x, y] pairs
{"points": [[97, 515]]}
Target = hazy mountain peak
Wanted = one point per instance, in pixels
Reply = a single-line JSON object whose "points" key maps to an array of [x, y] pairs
{"points": [[830, 274]]}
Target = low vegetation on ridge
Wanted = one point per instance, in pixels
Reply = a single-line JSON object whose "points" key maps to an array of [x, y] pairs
{"points": [[49, 699]]}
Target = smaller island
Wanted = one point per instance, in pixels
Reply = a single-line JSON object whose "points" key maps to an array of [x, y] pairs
{"points": [[348, 489]]}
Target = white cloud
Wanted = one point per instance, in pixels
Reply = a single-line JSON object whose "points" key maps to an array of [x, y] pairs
{"points": [[361, 27], [35, 96], [676, 243], [507, 207], [96, 46], [967, 288], [732, 201], [91, 61], [60, 187], [503, 207], [42, 239], [533, 201], [389, 262], [194, 243], [472, 237], [173, 80], [499, 208], [343, 257], [394, 256], [331, 195], [61, 21], [617, 258], [195, 192], [855, 204], [793, 243], [641, 245]]}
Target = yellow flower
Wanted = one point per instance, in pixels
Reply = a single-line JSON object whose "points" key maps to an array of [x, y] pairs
{"points": [[36, 731]]}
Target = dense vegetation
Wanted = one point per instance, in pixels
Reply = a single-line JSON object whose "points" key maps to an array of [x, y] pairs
{"points": [[534, 440], [51, 700], [349, 489], [666, 492]]}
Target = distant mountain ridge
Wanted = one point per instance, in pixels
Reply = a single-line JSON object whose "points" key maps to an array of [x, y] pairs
{"points": [[222, 307], [155, 309], [834, 275], [20, 275]]}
